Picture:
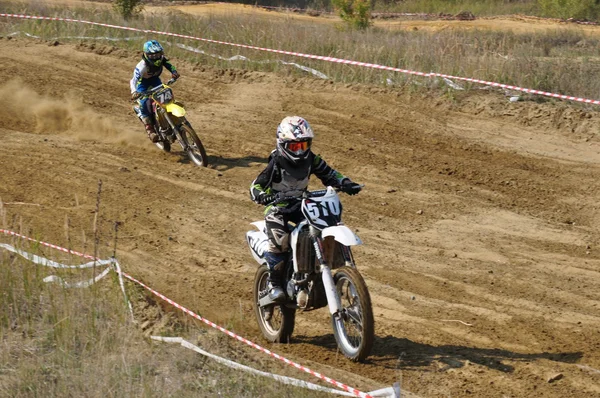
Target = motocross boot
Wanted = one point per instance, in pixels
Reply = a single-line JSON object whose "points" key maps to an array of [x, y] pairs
{"points": [[275, 262], [276, 292], [150, 129]]}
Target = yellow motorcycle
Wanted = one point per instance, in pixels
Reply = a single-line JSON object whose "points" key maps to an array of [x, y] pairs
{"points": [[170, 123]]}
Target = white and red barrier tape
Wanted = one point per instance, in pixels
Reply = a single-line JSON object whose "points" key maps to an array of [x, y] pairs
{"points": [[319, 57], [235, 365], [184, 47], [34, 258], [49, 263], [351, 390], [387, 392], [8, 232]]}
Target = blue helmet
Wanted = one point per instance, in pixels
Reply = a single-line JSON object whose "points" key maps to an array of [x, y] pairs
{"points": [[153, 52]]}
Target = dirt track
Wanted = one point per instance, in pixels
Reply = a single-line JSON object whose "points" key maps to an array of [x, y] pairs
{"points": [[479, 220]]}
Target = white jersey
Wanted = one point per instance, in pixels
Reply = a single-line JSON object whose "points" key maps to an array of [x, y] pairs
{"points": [[143, 71]]}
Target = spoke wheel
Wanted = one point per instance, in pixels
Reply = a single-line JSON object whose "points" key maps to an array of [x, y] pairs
{"points": [[195, 149], [279, 328], [354, 327]]}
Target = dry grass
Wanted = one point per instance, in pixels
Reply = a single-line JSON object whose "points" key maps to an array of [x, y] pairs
{"points": [[562, 61], [59, 342], [477, 7]]}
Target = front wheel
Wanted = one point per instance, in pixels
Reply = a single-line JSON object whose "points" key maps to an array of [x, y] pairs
{"points": [[194, 147], [280, 326], [354, 327]]}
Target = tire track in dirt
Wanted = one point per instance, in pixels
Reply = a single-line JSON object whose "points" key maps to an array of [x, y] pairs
{"points": [[496, 230]]}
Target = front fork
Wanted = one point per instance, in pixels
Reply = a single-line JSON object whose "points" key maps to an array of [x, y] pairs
{"points": [[161, 117], [175, 129], [333, 299]]}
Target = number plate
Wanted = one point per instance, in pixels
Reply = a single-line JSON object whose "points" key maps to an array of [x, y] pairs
{"points": [[164, 96]]}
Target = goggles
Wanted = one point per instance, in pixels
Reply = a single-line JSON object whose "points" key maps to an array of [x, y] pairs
{"points": [[296, 146], [155, 56]]}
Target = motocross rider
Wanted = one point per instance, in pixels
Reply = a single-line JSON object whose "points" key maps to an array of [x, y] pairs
{"points": [[289, 168], [146, 75]]}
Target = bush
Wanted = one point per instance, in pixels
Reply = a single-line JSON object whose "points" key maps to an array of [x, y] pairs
{"points": [[356, 13], [128, 8], [577, 9]]}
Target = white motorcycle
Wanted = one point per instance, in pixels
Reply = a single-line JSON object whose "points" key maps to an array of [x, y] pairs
{"points": [[319, 244]]}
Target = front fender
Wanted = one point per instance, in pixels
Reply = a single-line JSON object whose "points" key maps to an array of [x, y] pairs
{"points": [[342, 234], [175, 109]]}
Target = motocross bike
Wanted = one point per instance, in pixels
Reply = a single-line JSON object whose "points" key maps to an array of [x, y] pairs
{"points": [[319, 243], [170, 123]]}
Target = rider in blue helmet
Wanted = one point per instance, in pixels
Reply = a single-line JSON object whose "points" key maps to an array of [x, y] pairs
{"points": [[147, 75]]}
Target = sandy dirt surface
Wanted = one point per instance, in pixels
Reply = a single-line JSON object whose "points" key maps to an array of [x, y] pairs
{"points": [[516, 24], [481, 248]]}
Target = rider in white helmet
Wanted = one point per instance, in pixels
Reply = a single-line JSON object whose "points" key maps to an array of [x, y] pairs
{"points": [[147, 75], [289, 168]]}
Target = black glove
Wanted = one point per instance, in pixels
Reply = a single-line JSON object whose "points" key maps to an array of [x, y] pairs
{"points": [[135, 95], [175, 75], [349, 187], [267, 198]]}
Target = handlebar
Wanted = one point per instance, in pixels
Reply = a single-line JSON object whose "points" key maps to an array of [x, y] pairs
{"points": [[148, 92], [302, 194]]}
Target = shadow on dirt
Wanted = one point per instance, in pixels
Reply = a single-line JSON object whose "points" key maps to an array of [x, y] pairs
{"points": [[221, 163], [393, 353]]}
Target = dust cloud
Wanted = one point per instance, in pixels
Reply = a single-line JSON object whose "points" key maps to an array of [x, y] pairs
{"points": [[23, 107]]}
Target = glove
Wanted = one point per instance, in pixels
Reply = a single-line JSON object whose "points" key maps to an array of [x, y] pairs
{"points": [[135, 95], [265, 199], [349, 187], [175, 75]]}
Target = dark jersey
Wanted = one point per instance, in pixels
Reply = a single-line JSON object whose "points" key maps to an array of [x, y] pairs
{"points": [[281, 175]]}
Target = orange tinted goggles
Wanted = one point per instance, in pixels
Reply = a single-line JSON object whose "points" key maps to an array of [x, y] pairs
{"points": [[298, 146]]}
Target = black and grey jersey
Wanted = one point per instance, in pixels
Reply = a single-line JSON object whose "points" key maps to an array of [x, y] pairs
{"points": [[281, 175]]}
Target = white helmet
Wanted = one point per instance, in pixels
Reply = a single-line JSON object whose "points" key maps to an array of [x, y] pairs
{"points": [[294, 138]]}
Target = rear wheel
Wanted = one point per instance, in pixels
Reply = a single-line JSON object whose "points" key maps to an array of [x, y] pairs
{"points": [[279, 328], [195, 149], [354, 328]]}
